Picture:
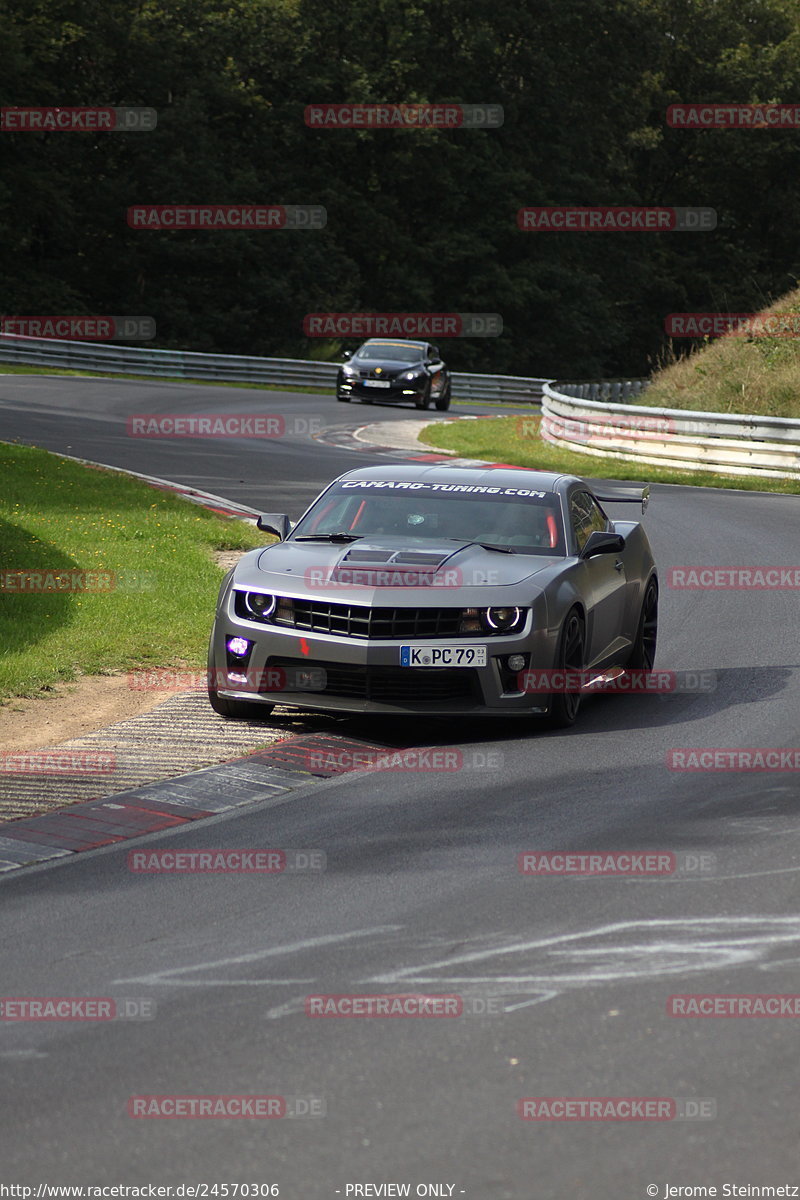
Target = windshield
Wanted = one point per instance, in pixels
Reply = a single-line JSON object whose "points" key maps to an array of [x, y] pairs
{"points": [[381, 351], [528, 522]]}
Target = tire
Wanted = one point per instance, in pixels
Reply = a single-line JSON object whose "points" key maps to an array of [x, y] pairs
{"points": [[643, 654], [343, 399], [564, 706], [425, 399], [242, 710], [443, 401]]}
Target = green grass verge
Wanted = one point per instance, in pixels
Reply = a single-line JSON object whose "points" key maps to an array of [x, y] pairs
{"points": [[58, 515], [750, 375], [516, 440]]}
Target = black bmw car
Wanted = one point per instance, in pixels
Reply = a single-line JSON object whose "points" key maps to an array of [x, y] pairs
{"points": [[397, 371]]}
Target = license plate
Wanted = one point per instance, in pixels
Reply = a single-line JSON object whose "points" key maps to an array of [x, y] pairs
{"points": [[377, 383], [442, 656]]}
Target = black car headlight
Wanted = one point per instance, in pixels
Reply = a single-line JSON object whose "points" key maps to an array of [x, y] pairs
{"points": [[255, 606], [412, 376], [502, 620], [492, 620]]}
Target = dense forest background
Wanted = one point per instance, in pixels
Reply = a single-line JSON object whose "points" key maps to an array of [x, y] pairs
{"points": [[417, 220]]}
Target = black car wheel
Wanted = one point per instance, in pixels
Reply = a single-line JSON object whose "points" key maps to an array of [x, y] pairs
{"points": [[571, 650], [643, 654], [443, 401], [343, 399], [424, 401]]}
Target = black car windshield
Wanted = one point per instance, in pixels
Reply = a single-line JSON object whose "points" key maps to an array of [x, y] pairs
{"points": [[524, 519], [381, 351]]}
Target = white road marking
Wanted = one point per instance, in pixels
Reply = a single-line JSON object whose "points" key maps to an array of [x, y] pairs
{"points": [[698, 944], [171, 973]]}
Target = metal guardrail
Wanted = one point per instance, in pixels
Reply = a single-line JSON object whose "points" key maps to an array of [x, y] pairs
{"points": [[231, 368], [595, 418], [674, 437], [617, 391]]}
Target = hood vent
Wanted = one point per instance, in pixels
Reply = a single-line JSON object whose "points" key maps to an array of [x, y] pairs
{"points": [[427, 559]]}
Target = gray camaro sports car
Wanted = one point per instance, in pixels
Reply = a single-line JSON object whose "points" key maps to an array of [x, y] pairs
{"points": [[438, 589]]}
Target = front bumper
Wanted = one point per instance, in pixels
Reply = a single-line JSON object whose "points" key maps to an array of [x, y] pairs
{"points": [[365, 676], [399, 391]]}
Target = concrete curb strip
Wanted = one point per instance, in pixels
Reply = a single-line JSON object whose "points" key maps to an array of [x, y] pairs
{"points": [[170, 803]]}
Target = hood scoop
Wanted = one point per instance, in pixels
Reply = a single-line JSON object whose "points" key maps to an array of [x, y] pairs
{"points": [[405, 563], [427, 560], [367, 556], [421, 558]]}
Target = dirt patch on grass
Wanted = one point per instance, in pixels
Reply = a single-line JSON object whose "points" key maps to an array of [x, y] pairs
{"points": [[90, 703], [228, 558]]}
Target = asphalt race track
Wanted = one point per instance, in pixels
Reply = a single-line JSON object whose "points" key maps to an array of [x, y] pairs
{"points": [[422, 894]]}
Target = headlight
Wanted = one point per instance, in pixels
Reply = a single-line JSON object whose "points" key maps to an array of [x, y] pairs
{"points": [[502, 620], [259, 605], [411, 375], [284, 614], [470, 621], [491, 620], [350, 372]]}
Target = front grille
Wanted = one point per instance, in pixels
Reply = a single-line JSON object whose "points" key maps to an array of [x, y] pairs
{"points": [[417, 687], [360, 621]]}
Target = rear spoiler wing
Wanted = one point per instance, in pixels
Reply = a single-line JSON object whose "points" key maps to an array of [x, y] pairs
{"points": [[628, 496]]}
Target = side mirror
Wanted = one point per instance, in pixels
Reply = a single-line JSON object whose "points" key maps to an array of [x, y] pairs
{"points": [[600, 542], [275, 523], [347, 354]]}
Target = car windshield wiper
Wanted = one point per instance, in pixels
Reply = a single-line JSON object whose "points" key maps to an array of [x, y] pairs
{"points": [[342, 536], [484, 546]]}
